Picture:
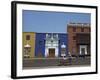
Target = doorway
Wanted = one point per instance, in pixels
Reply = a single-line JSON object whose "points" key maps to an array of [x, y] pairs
{"points": [[83, 49], [52, 52]]}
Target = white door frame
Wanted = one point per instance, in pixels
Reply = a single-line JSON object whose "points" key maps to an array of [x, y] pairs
{"points": [[47, 51], [85, 47]]}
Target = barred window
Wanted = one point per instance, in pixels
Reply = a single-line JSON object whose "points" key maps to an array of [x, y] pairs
{"points": [[74, 29], [89, 29], [82, 29], [27, 37], [74, 37]]}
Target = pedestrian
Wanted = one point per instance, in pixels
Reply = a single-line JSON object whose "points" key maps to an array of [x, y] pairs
{"points": [[69, 58]]}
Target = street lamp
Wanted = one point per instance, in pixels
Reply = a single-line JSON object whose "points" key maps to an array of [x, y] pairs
{"points": [[63, 54], [27, 49], [63, 50]]}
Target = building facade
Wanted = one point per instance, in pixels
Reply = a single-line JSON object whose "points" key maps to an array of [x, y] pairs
{"points": [[40, 45], [29, 44], [49, 44], [76, 41], [44, 44], [79, 38]]}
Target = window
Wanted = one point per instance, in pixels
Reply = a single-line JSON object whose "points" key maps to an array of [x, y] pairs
{"points": [[89, 29], [74, 29], [74, 37], [82, 29], [27, 37]]}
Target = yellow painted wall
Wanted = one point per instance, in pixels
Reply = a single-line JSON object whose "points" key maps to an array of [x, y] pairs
{"points": [[31, 42]]}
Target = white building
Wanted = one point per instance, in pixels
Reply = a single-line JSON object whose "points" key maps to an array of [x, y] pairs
{"points": [[51, 45]]}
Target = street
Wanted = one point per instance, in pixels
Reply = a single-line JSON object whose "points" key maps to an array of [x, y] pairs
{"points": [[55, 62]]}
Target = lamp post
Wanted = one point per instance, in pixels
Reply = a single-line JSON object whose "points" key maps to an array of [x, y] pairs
{"points": [[63, 54], [27, 49], [63, 50]]}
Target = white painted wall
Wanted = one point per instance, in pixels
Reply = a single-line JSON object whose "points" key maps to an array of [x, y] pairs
{"points": [[49, 44], [47, 51]]}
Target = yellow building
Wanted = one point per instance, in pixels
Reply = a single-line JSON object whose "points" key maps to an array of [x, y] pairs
{"points": [[29, 44]]}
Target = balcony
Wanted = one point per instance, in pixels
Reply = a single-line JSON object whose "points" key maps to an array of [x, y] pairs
{"points": [[83, 38]]}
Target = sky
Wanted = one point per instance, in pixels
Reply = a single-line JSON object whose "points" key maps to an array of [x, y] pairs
{"points": [[51, 22]]}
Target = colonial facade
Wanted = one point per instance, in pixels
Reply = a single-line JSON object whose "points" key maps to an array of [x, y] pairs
{"points": [[28, 44], [75, 41], [79, 38], [51, 45], [45, 44]]}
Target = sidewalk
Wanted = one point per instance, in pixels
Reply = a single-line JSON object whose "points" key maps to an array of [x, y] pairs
{"points": [[54, 62]]}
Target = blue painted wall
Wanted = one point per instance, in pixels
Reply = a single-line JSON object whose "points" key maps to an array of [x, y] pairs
{"points": [[40, 44], [63, 38]]}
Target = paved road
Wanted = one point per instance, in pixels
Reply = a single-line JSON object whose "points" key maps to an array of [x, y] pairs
{"points": [[45, 62]]}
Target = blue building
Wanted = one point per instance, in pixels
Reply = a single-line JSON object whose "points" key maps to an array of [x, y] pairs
{"points": [[40, 45], [49, 44]]}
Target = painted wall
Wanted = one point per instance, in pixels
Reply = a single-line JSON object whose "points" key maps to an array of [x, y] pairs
{"points": [[63, 39], [31, 42], [40, 44]]}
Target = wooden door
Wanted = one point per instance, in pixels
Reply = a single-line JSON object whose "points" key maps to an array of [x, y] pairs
{"points": [[51, 52]]}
